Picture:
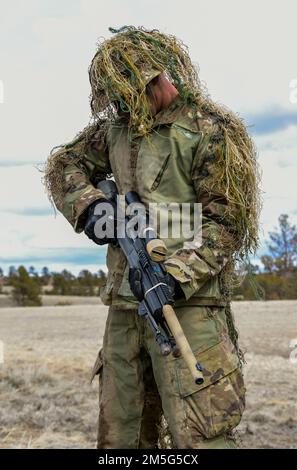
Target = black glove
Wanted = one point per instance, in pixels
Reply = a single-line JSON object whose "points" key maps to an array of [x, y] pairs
{"points": [[136, 285], [103, 233]]}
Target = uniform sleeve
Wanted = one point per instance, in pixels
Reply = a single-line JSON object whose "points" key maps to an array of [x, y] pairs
{"points": [[72, 173], [195, 266]]}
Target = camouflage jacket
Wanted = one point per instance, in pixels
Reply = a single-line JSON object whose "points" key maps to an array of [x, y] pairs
{"points": [[173, 164]]}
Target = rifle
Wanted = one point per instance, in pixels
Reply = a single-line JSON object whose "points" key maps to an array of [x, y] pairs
{"points": [[145, 253]]}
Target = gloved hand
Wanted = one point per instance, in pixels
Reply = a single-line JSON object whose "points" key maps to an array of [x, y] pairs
{"points": [[136, 286], [135, 283], [102, 233]]}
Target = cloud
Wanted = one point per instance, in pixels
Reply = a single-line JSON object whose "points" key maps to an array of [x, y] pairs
{"points": [[48, 47], [33, 211], [278, 161], [21, 188], [281, 140], [46, 241], [81, 257], [273, 120], [32, 233]]}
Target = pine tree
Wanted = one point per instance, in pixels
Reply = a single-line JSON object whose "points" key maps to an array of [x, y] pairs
{"points": [[282, 248], [45, 276], [26, 290]]}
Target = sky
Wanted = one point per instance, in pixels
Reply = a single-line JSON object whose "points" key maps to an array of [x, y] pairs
{"points": [[246, 54]]}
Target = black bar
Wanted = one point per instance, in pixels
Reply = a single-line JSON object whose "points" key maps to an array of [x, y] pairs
{"points": [[77, 458]]}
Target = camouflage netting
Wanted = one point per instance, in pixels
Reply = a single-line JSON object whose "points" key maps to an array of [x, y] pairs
{"points": [[69, 153], [117, 76]]}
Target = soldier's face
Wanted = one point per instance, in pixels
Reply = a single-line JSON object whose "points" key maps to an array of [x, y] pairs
{"points": [[160, 92]]}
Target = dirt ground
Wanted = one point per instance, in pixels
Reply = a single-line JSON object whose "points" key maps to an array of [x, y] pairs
{"points": [[51, 300], [48, 402]]}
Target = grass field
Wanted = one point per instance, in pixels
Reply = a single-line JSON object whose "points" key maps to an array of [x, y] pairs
{"points": [[48, 402]]}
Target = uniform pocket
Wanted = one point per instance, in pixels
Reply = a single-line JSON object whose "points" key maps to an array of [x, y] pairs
{"points": [[151, 166], [216, 406], [159, 176]]}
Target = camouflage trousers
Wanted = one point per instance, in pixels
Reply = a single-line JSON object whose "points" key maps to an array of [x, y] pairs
{"points": [[137, 385]]}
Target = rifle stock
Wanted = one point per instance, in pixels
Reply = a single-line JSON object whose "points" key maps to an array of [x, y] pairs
{"points": [[183, 344]]}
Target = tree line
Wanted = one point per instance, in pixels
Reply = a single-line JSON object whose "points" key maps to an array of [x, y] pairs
{"points": [[276, 279], [28, 285]]}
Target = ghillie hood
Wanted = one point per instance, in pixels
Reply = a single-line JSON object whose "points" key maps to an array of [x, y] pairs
{"points": [[123, 65]]}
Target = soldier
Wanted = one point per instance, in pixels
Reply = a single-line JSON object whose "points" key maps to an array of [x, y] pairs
{"points": [[156, 131]]}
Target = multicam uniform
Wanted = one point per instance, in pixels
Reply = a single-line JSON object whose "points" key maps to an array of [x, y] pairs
{"points": [[137, 384]]}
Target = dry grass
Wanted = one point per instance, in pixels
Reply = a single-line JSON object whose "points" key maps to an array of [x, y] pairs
{"points": [[46, 406], [47, 401], [267, 328], [46, 397], [50, 300]]}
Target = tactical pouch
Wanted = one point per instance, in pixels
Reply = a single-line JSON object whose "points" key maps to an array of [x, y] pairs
{"points": [[216, 406]]}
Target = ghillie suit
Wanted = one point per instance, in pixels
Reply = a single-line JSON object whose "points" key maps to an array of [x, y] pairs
{"points": [[117, 74], [194, 150]]}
